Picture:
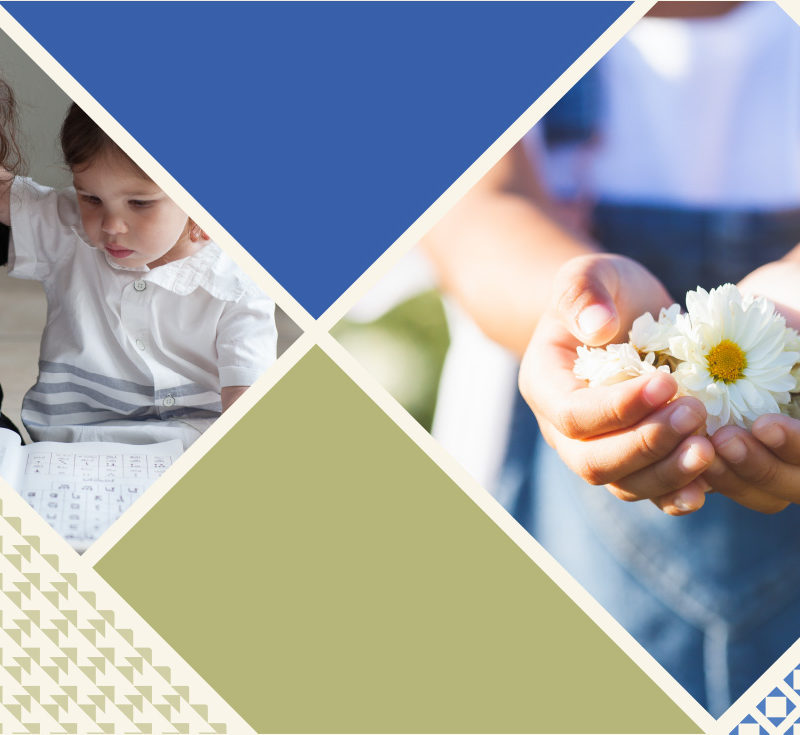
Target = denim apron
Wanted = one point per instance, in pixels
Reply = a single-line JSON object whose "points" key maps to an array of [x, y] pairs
{"points": [[713, 596]]}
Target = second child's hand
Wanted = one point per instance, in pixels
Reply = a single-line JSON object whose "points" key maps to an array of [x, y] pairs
{"points": [[760, 469]]}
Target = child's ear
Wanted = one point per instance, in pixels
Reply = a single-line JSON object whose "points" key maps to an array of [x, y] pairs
{"points": [[195, 233]]}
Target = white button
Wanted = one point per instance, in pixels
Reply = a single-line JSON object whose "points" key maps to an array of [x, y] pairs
{"points": [[139, 285], [169, 401], [140, 344]]}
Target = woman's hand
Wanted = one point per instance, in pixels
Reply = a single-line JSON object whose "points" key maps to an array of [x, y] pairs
{"points": [[623, 436]]}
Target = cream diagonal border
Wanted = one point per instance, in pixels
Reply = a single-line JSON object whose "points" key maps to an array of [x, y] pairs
{"points": [[316, 332], [158, 173], [75, 657]]}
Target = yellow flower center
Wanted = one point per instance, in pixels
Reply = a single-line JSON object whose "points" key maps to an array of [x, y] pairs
{"points": [[726, 362]]}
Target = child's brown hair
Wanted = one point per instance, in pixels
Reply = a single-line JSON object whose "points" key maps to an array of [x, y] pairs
{"points": [[83, 140], [10, 154]]}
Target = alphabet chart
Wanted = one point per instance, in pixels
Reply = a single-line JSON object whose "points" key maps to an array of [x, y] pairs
{"points": [[80, 489]]}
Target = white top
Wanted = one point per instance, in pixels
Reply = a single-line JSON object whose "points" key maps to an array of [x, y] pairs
{"points": [[131, 354], [701, 112]]}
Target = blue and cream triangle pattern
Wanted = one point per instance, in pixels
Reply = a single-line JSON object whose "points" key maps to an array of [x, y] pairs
{"points": [[776, 713], [69, 664]]}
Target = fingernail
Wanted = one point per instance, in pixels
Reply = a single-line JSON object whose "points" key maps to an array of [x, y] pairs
{"points": [[690, 460], [659, 390], [684, 419], [685, 501], [593, 318], [773, 436], [733, 450]]}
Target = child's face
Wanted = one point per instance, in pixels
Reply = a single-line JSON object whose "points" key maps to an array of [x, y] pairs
{"points": [[128, 216]]}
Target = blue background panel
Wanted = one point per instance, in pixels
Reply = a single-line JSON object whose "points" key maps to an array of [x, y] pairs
{"points": [[316, 133]]}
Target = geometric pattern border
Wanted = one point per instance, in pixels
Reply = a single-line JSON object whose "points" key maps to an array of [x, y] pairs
{"points": [[66, 666], [776, 713]]}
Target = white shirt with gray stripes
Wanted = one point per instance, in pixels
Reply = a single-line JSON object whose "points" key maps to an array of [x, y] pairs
{"points": [[131, 354]]}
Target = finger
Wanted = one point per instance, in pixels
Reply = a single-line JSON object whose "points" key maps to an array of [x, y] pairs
{"points": [[583, 299], [683, 466], [684, 501], [610, 458], [750, 474], [592, 412], [548, 384], [758, 467], [724, 481], [781, 434]]}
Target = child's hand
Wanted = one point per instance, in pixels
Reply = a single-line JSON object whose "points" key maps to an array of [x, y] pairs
{"points": [[760, 469], [778, 281], [623, 436]]}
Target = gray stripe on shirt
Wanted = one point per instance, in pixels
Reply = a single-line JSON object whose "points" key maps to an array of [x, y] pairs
{"points": [[62, 409], [46, 366], [102, 398], [187, 389]]}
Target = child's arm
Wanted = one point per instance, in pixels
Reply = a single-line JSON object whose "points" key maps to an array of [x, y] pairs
{"points": [[246, 343], [230, 395]]}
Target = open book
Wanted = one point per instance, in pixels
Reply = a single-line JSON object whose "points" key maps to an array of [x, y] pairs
{"points": [[80, 489]]}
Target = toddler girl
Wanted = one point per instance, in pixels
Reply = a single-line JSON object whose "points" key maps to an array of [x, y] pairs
{"points": [[151, 330]]}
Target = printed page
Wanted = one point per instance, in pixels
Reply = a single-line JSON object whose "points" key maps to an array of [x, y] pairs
{"points": [[80, 489]]}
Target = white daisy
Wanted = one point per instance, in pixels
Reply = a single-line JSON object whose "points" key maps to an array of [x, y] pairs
{"points": [[648, 335], [736, 356], [612, 364]]}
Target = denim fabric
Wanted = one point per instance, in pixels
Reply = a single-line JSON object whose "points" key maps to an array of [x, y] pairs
{"points": [[689, 248], [713, 596]]}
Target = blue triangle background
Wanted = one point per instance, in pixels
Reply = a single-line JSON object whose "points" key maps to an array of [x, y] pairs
{"points": [[316, 133]]}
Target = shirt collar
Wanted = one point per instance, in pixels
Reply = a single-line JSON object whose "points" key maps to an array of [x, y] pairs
{"points": [[209, 268]]}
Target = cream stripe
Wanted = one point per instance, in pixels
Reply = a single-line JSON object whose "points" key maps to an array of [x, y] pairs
{"points": [[317, 333]]}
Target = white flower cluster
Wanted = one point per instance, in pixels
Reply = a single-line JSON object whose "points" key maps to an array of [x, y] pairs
{"points": [[733, 352]]}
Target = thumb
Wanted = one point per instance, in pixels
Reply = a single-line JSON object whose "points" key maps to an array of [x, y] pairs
{"points": [[584, 302], [596, 324]]}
